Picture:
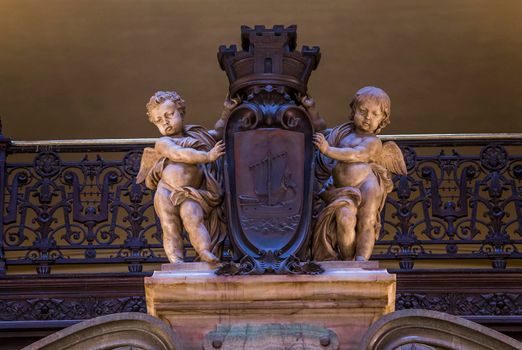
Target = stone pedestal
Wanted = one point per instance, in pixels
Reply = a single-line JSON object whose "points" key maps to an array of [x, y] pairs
{"points": [[347, 299]]}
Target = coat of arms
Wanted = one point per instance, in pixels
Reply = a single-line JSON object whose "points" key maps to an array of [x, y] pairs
{"points": [[269, 151]]}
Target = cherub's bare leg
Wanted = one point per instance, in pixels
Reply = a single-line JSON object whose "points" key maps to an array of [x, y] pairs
{"points": [[345, 218], [170, 224], [367, 218], [192, 216]]}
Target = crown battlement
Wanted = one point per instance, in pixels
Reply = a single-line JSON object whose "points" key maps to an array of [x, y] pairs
{"points": [[268, 57]]}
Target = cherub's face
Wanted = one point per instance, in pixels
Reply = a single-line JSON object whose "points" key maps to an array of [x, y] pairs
{"points": [[167, 118], [368, 116]]}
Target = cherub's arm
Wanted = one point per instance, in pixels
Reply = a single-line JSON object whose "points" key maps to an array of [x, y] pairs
{"points": [[364, 152], [228, 106], [311, 107], [167, 148]]}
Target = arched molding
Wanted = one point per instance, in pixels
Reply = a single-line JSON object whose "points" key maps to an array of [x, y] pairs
{"points": [[129, 330], [427, 330]]}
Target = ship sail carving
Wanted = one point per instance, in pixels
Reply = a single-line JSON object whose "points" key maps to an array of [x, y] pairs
{"points": [[273, 185]]}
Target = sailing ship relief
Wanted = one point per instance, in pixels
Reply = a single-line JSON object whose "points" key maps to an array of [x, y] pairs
{"points": [[273, 186], [270, 186]]}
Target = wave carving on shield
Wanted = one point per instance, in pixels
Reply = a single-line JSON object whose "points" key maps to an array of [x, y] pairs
{"points": [[268, 179]]}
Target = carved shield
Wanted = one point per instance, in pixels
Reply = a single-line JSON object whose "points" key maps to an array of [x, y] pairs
{"points": [[268, 182]]}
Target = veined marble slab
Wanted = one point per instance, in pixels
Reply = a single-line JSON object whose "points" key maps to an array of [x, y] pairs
{"points": [[347, 298]]}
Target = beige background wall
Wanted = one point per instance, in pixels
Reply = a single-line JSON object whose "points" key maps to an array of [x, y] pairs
{"points": [[84, 69]]}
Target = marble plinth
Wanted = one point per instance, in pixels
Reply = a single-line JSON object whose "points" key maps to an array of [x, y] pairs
{"points": [[347, 298]]}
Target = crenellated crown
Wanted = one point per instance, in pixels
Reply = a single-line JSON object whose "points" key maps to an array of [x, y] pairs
{"points": [[268, 57]]}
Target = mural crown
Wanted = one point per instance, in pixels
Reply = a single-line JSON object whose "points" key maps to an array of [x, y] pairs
{"points": [[268, 57]]}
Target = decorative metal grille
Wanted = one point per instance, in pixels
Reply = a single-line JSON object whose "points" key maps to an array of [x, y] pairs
{"points": [[65, 207], [461, 200], [68, 203]]}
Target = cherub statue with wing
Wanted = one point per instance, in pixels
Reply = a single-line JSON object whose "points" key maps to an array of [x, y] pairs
{"points": [[360, 168], [181, 168]]}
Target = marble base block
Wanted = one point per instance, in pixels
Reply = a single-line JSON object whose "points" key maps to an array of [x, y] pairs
{"points": [[347, 298]]}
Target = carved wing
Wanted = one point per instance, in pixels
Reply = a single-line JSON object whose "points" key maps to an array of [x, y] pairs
{"points": [[149, 158], [392, 158]]}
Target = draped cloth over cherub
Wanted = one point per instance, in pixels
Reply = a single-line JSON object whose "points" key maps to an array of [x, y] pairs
{"points": [[324, 246], [209, 196]]}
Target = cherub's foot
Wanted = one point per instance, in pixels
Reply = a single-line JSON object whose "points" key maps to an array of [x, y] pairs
{"points": [[176, 259], [207, 256]]}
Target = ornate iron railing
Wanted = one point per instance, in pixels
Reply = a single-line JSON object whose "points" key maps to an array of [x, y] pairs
{"points": [[77, 202], [461, 199]]}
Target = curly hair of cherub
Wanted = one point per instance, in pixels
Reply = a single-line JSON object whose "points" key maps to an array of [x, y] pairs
{"points": [[375, 94], [162, 96]]}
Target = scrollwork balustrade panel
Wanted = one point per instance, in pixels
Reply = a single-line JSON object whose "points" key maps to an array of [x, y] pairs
{"points": [[460, 200]]}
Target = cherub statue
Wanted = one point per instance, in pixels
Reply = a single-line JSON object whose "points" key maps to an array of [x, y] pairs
{"points": [[360, 179], [179, 169]]}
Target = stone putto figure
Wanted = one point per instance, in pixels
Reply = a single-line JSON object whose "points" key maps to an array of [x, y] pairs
{"points": [[360, 166], [180, 169]]}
